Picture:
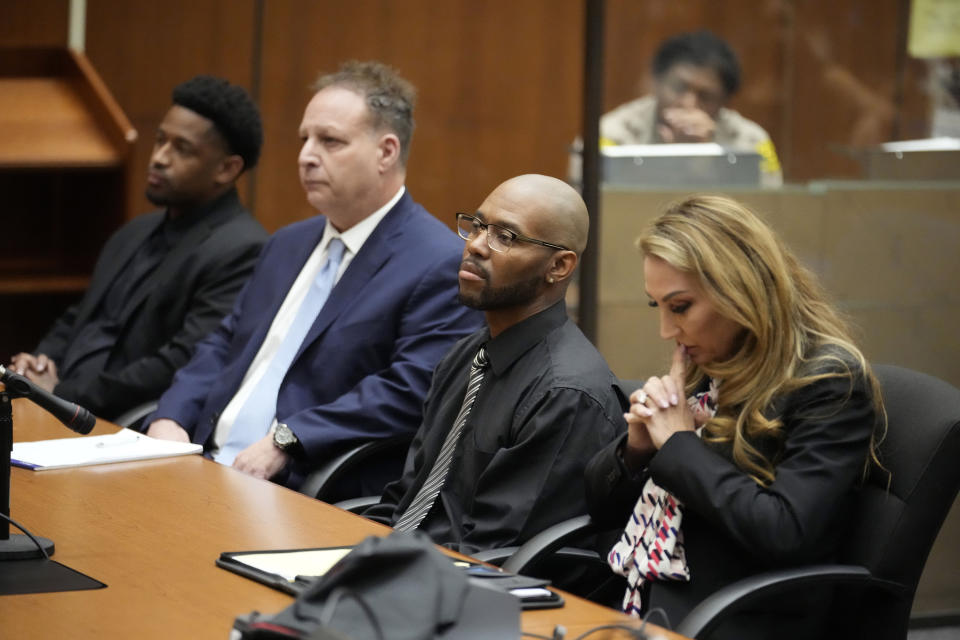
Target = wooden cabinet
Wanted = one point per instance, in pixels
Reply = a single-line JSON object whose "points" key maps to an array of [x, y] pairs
{"points": [[65, 149]]}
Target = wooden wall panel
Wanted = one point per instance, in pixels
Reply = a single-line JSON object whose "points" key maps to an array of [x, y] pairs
{"points": [[498, 83], [143, 48], [34, 22], [844, 81]]}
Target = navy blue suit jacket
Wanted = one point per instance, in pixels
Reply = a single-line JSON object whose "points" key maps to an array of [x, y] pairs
{"points": [[365, 366]]}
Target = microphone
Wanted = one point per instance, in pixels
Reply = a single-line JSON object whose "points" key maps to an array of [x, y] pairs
{"points": [[73, 416]]}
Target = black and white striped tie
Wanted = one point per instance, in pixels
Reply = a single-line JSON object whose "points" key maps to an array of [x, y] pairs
{"points": [[428, 493]]}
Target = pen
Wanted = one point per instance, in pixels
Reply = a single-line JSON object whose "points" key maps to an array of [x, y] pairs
{"points": [[117, 442]]}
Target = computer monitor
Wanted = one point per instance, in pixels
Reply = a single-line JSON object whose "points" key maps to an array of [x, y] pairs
{"points": [[679, 165]]}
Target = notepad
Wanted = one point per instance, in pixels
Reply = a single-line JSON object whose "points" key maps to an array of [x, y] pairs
{"points": [[293, 570], [122, 446], [290, 563]]}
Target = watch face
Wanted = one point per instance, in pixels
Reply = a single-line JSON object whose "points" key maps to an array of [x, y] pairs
{"points": [[283, 436]]}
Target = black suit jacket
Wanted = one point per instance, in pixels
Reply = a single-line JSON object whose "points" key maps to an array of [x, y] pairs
{"points": [[734, 528], [178, 304]]}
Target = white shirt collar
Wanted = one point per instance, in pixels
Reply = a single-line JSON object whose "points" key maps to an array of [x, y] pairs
{"points": [[354, 237]]}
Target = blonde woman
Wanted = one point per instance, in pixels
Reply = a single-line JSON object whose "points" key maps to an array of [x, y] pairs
{"points": [[747, 454]]}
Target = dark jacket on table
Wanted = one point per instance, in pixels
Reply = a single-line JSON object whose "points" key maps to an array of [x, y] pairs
{"points": [[732, 527], [547, 404], [176, 305]]}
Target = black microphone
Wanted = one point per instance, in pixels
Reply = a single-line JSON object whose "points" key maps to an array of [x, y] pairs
{"points": [[73, 416]]}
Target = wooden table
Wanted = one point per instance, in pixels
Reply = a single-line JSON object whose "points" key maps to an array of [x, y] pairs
{"points": [[152, 530]]}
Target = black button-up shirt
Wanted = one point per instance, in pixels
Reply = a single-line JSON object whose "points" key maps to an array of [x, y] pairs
{"points": [[546, 405]]}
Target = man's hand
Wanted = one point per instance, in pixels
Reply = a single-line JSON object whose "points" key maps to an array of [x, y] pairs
{"points": [[40, 370], [686, 124], [262, 459], [167, 429]]}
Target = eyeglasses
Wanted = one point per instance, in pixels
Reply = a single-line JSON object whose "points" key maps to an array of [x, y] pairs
{"points": [[499, 238]]}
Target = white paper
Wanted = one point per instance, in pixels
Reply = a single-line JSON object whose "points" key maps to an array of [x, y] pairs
{"points": [[926, 144], [122, 446], [678, 149], [290, 564]]}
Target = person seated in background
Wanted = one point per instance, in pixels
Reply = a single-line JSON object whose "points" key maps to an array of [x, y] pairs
{"points": [[333, 340], [749, 452], [165, 279], [517, 409], [694, 76]]}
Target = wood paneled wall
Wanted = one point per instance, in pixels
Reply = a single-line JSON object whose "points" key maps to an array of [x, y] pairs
{"points": [[499, 80], [34, 22], [498, 85]]}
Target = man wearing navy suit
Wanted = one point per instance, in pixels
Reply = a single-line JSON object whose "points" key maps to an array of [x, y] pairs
{"points": [[333, 341]]}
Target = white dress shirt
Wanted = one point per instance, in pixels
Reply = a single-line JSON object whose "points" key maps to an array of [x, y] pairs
{"points": [[353, 239]]}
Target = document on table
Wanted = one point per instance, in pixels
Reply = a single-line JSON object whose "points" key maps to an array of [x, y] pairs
{"points": [[290, 563], [293, 570], [122, 446]]}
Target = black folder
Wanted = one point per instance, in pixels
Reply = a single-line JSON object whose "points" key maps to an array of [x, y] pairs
{"points": [[239, 562]]}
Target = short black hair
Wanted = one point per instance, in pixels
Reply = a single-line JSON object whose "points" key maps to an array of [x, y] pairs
{"points": [[390, 98], [231, 110], [701, 49]]}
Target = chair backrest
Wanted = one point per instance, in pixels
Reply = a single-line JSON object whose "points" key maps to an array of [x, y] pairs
{"points": [[894, 529], [132, 418], [343, 478]]}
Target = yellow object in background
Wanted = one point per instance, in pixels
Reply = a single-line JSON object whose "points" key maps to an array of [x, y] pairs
{"points": [[934, 29]]}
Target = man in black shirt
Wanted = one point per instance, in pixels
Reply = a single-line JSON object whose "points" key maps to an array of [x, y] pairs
{"points": [[516, 410], [164, 279]]}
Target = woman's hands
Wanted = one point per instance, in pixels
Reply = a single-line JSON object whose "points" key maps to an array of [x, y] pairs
{"points": [[657, 411]]}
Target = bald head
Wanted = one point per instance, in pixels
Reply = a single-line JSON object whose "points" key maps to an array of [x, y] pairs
{"points": [[556, 212]]}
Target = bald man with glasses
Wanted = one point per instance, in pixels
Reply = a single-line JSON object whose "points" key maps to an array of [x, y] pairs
{"points": [[515, 410]]}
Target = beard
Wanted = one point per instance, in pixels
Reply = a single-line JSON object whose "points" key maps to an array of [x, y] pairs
{"points": [[163, 197], [156, 199], [512, 295]]}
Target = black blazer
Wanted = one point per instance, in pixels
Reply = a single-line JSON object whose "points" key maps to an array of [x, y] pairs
{"points": [[177, 305], [732, 527]]}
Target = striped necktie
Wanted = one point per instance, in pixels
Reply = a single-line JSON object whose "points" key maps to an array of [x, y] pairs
{"points": [[428, 493]]}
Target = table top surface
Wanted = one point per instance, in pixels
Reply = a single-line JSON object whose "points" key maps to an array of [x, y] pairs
{"points": [[152, 530]]}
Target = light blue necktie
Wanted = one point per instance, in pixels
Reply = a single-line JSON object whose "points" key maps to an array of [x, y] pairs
{"points": [[259, 410]]}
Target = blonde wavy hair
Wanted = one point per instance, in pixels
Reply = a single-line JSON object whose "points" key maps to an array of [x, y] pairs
{"points": [[752, 278]]}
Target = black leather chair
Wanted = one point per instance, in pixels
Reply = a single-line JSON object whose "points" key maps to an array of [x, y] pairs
{"points": [[885, 552], [131, 419], [322, 484]]}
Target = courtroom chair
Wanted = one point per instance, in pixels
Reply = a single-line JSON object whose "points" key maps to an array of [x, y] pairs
{"points": [[357, 505], [896, 520], [323, 483], [131, 419]]}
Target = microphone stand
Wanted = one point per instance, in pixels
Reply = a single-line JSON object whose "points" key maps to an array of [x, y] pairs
{"points": [[13, 546]]}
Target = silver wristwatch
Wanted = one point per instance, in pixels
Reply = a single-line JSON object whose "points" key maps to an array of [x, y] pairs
{"points": [[283, 438]]}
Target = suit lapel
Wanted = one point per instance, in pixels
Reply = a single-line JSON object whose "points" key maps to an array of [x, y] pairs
{"points": [[227, 207], [375, 252], [113, 265]]}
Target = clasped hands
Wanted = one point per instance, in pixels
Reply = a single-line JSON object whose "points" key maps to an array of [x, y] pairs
{"points": [[686, 124], [39, 369], [657, 411]]}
